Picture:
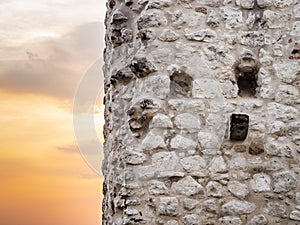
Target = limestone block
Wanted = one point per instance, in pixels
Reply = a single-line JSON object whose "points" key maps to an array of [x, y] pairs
{"points": [[158, 4], [161, 121], [188, 122], [189, 203], [152, 18], [295, 29], [214, 189], [172, 222], [237, 162], [261, 182], [251, 38], [217, 165], [153, 141], [168, 35], [182, 143], [276, 209], [187, 186], [205, 88], [282, 112], [155, 86], [258, 220], [237, 207], [273, 164], [238, 189], [168, 206], [157, 188], [246, 4], [295, 215], [296, 11], [193, 164], [287, 72], [264, 3], [230, 220], [210, 205], [233, 17], [286, 94], [205, 35], [191, 219], [284, 181], [134, 157], [293, 128], [276, 127], [165, 161], [229, 89], [213, 19], [283, 3], [275, 19]]}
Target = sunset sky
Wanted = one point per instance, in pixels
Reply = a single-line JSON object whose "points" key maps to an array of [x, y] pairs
{"points": [[47, 50]]}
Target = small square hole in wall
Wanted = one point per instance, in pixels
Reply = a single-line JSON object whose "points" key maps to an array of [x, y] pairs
{"points": [[239, 127]]}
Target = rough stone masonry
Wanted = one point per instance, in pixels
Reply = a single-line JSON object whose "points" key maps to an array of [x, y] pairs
{"points": [[202, 112]]}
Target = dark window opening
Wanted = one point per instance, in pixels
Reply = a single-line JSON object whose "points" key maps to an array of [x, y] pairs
{"points": [[239, 127], [247, 84]]}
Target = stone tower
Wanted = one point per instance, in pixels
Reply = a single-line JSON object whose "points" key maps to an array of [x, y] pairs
{"points": [[202, 112]]}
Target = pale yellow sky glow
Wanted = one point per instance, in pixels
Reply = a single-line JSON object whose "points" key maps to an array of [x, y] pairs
{"points": [[46, 48]]}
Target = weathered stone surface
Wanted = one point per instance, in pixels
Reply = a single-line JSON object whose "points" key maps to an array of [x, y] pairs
{"points": [[187, 121], [158, 4], [232, 16], [230, 220], [295, 215], [286, 94], [282, 112], [157, 188], [191, 219], [272, 18], [153, 141], [284, 181], [142, 67], [261, 182], [238, 162], [264, 3], [214, 189], [287, 72], [206, 35], [238, 189], [155, 86], [189, 203], [172, 222], [236, 207], [165, 161], [161, 121], [258, 220], [187, 186], [276, 209], [168, 35], [205, 88], [153, 18], [210, 205], [168, 206], [209, 140], [246, 4], [183, 143], [218, 165], [134, 157], [193, 164]]}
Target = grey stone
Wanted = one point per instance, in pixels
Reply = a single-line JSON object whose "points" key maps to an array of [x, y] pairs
{"points": [[277, 127], [286, 94], [276, 209], [168, 35], [168, 206], [275, 19], [236, 207], [210, 205], [161, 121], [214, 189], [157, 188], [183, 143], [261, 182], [238, 189], [172, 222], [205, 88], [282, 4], [273, 165], [158, 4], [187, 121], [287, 72], [186, 186], [193, 164], [134, 157], [153, 141], [154, 86], [264, 3], [295, 215], [189, 203], [284, 181], [238, 161], [246, 4], [153, 18], [282, 112], [209, 140], [165, 161], [206, 35], [213, 19], [191, 219], [230, 220], [252, 38], [258, 220], [218, 165], [233, 17]]}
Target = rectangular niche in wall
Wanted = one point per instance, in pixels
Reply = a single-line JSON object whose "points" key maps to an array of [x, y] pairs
{"points": [[239, 124]]}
